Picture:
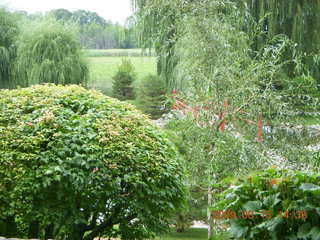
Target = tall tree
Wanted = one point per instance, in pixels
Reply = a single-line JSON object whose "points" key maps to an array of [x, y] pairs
{"points": [[50, 53], [217, 71], [8, 35], [158, 27], [298, 20]]}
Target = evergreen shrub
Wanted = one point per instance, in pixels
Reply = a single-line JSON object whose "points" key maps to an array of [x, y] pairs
{"points": [[152, 96], [122, 81]]}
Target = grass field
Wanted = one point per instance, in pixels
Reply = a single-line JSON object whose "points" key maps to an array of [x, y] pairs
{"points": [[135, 52], [192, 234], [102, 69]]}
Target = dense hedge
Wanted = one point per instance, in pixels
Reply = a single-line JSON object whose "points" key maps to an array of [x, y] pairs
{"points": [[272, 204], [74, 164]]}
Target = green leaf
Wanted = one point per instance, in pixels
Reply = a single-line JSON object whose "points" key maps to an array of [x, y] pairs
{"points": [[315, 233], [304, 230], [272, 200], [271, 224], [237, 230], [291, 237], [309, 187], [252, 205]]}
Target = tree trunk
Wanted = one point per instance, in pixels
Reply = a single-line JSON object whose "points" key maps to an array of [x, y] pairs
{"points": [[34, 230], [49, 232], [9, 227], [210, 222]]}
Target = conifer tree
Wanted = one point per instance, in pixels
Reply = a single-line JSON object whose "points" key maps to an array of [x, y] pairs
{"points": [[122, 81]]}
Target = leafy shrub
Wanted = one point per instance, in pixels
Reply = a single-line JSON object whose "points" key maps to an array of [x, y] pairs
{"points": [[50, 53], [122, 81], [272, 204], [151, 96], [75, 164]]}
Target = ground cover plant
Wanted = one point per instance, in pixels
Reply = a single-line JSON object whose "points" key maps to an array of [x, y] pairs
{"points": [[75, 164], [271, 204]]}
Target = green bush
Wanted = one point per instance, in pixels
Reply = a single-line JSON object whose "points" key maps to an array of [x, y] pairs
{"points": [[50, 53], [152, 96], [122, 81], [75, 164], [272, 204]]}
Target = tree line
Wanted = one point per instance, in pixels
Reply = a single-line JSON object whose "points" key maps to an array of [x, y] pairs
{"points": [[38, 48], [39, 51], [95, 32], [98, 33]]}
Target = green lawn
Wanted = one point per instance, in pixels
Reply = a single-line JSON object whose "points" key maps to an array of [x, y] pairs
{"points": [[192, 234], [135, 52], [102, 69]]}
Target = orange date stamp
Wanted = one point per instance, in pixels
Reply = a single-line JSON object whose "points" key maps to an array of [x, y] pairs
{"points": [[268, 214]]}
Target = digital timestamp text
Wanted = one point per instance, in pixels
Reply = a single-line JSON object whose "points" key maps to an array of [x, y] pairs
{"points": [[268, 214]]}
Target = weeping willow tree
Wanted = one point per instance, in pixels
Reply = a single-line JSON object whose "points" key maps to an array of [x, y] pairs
{"points": [[8, 35], [50, 53], [217, 57], [157, 24], [298, 20]]}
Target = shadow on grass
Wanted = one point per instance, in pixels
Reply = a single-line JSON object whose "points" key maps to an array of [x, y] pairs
{"points": [[192, 233]]}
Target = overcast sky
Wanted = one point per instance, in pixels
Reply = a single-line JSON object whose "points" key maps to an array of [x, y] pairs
{"points": [[114, 10]]}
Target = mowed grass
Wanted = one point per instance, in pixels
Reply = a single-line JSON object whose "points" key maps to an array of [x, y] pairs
{"points": [[102, 69], [190, 234], [193, 234], [134, 52]]}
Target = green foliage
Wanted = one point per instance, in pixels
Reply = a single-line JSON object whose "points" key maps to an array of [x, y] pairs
{"points": [[162, 24], [158, 27], [8, 34], [75, 164], [123, 81], [50, 53], [298, 20], [284, 205], [206, 50], [152, 96]]}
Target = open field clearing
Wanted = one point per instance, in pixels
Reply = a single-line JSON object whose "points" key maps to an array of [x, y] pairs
{"points": [[134, 52], [102, 69]]}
